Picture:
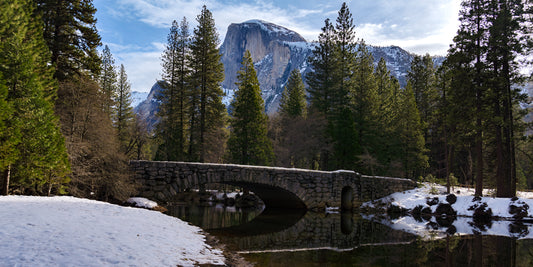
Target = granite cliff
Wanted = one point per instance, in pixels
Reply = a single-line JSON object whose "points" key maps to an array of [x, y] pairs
{"points": [[276, 51]]}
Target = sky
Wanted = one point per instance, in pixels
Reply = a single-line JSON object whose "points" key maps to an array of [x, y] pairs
{"points": [[136, 30]]}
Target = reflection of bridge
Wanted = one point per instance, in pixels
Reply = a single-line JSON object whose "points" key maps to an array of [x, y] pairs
{"points": [[310, 232], [277, 187]]}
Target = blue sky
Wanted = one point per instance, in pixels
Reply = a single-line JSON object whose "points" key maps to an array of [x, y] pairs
{"points": [[136, 30]]}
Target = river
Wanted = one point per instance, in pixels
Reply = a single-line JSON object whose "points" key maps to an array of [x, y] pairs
{"points": [[295, 238]]}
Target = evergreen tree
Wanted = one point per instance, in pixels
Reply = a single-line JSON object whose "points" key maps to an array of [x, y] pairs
{"points": [[509, 37], [124, 116], [321, 80], [466, 73], [342, 126], [364, 98], [422, 78], [345, 44], [322, 85], [108, 79], [41, 162], [8, 138], [409, 129], [483, 61], [208, 112], [174, 96], [474, 42], [248, 142], [463, 120], [292, 131], [98, 165], [329, 87], [293, 102], [71, 35], [387, 90]]}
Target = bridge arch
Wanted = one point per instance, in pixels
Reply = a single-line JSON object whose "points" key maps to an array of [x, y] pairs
{"points": [[273, 196]]}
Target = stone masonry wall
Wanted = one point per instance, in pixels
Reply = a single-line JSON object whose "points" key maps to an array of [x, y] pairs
{"points": [[277, 187]]}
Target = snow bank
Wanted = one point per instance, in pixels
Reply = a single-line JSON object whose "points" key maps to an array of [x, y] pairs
{"points": [[418, 196], [68, 231], [505, 225], [142, 202]]}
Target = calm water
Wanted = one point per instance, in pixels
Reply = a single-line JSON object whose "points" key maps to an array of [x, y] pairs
{"points": [[295, 238]]}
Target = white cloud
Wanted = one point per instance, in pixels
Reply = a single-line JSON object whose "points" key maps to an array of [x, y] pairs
{"points": [[161, 13], [423, 27], [143, 68]]}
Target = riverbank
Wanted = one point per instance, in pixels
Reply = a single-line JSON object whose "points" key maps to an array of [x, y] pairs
{"points": [[68, 231], [430, 211]]}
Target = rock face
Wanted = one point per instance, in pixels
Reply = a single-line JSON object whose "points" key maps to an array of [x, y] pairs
{"points": [[275, 51], [148, 108]]}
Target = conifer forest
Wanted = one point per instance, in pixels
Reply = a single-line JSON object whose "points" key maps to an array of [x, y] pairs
{"points": [[67, 125]]}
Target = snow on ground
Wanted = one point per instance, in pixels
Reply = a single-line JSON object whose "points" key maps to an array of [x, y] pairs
{"points": [[503, 226], [68, 231], [142, 202]]}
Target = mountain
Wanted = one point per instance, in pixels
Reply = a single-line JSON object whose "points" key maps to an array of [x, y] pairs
{"points": [[276, 51], [138, 97], [148, 108]]}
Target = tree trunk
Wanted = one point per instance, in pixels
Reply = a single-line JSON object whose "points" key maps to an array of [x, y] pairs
{"points": [[5, 185]]}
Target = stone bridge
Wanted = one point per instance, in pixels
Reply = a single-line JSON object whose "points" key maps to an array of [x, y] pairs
{"points": [[277, 187]]}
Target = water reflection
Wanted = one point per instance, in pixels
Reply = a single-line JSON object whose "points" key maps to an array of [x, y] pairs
{"points": [[212, 217], [295, 238], [474, 250]]}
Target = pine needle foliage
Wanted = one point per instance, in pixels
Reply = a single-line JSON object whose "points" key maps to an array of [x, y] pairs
{"points": [[248, 142]]}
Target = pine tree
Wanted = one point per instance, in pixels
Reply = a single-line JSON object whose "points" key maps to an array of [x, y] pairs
{"points": [[124, 117], [108, 80], [483, 61], [342, 125], [329, 87], [322, 85], [293, 102], [321, 79], [174, 97], [293, 130], [98, 165], [345, 44], [248, 142], [387, 90], [208, 118], [71, 35], [364, 98], [9, 138], [467, 71], [409, 129], [508, 39], [41, 162], [422, 78]]}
